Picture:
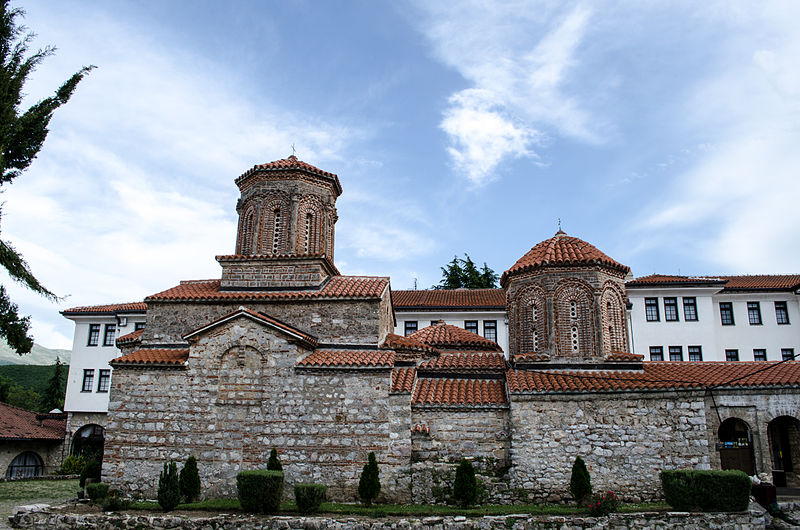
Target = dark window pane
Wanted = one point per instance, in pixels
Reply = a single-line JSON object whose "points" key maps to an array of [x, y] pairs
{"points": [[94, 335], [754, 313], [651, 309], [490, 329], [787, 354], [108, 335], [104, 381], [656, 353], [411, 327], [689, 308], [471, 325], [759, 355], [676, 353], [695, 353], [726, 313], [670, 309], [731, 355], [781, 313], [88, 380]]}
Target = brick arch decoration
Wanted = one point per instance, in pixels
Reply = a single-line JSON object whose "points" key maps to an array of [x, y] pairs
{"points": [[275, 225], [578, 326], [247, 241], [311, 226], [332, 218], [529, 319], [237, 382], [612, 318]]}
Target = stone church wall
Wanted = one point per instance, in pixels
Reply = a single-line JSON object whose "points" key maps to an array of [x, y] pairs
{"points": [[626, 439]]}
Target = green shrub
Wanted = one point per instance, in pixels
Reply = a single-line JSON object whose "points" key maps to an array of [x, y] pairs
{"points": [[169, 489], [96, 491], [260, 490], [72, 465], [190, 480], [274, 464], [369, 485], [603, 505], [309, 497], [465, 485], [114, 502], [580, 483], [91, 470], [708, 491]]}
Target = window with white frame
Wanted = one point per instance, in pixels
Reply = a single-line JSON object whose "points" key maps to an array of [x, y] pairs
{"points": [[490, 329], [104, 380], [94, 335], [781, 313], [108, 334], [759, 354], [676, 353], [695, 353], [787, 354], [410, 327], [732, 355], [651, 309], [671, 309]]}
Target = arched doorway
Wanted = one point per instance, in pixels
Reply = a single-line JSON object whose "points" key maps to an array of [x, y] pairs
{"points": [[88, 442], [736, 446], [25, 465], [784, 445]]}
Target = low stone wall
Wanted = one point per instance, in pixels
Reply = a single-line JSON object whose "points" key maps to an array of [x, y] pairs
{"points": [[741, 521]]}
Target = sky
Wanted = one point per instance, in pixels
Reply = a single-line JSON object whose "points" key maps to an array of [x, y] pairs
{"points": [[665, 133]]}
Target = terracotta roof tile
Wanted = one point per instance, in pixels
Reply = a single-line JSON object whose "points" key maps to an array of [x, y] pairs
{"points": [[337, 287], [309, 340], [562, 249], [450, 299], [403, 380], [729, 283], [132, 307], [154, 356], [21, 424], [445, 336], [531, 357], [348, 358], [623, 357], [459, 392], [666, 279], [400, 343], [466, 362], [290, 163], [658, 376], [131, 337], [420, 428]]}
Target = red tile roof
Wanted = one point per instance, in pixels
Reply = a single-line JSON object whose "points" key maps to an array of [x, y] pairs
{"points": [[459, 392], [338, 287], [531, 357], [666, 279], [729, 283], [450, 299], [132, 307], [154, 357], [403, 380], [262, 318], [658, 376], [21, 424], [562, 249], [292, 163], [623, 357], [466, 362], [348, 358], [133, 336], [448, 337], [400, 343]]}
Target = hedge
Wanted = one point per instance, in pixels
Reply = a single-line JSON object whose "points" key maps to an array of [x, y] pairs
{"points": [[309, 497], [97, 491], [260, 490], [708, 491]]}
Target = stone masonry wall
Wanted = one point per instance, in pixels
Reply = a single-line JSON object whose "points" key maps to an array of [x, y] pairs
{"points": [[240, 396], [49, 452], [272, 272], [626, 439], [78, 420]]}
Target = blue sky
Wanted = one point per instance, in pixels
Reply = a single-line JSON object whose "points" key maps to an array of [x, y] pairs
{"points": [[664, 133]]}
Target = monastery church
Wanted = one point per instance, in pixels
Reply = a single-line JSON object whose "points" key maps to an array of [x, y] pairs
{"points": [[284, 351]]}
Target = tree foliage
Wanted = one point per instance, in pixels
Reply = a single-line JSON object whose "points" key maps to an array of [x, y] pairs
{"points": [[465, 486], [463, 273], [53, 397], [22, 134], [274, 464], [190, 480], [369, 485], [169, 489], [580, 483]]}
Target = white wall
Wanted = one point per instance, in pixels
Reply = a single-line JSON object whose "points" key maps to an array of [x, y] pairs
{"points": [[455, 318]]}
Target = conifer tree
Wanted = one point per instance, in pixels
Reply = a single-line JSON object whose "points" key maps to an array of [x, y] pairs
{"points": [[190, 480], [274, 464], [369, 485], [464, 274], [580, 483], [169, 489], [22, 133], [465, 486], [53, 397]]}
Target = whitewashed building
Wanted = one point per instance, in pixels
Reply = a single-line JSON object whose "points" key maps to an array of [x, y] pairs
{"points": [[97, 329]]}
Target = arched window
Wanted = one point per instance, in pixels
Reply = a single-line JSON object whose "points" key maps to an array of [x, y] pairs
{"points": [[575, 323], [530, 322], [24, 465], [309, 232], [613, 317], [89, 441]]}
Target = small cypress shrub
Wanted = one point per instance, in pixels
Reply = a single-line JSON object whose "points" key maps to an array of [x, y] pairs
{"points": [[169, 489], [465, 485], [190, 480], [369, 485], [72, 465], [91, 470], [97, 491], [260, 490], [309, 497], [580, 483], [274, 464], [113, 502]]}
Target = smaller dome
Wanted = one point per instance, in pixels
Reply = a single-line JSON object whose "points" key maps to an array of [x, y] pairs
{"points": [[447, 337], [562, 249]]}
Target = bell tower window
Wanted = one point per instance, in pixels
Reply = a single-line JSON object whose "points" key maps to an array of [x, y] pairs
{"points": [[308, 234], [574, 338], [276, 233]]}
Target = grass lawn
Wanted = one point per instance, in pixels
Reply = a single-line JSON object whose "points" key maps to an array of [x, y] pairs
{"points": [[34, 492]]}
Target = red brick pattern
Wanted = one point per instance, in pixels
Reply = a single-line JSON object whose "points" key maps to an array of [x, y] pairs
{"points": [[445, 336], [575, 320], [450, 299], [658, 376], [21, 424], [348, 358], [459, 392], [403, 380], [529, 319], [130, 337], [337, 287], [133, 307], [154, 356], [612, 314], [466, 362], [420, 428]]}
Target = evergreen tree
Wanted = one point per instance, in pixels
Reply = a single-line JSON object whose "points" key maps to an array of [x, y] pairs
{"points": [[452, 275], [472, 278], [274, 464], [464, 274], [488, 277], [190, 480], [22, 133], [465, 486], [580, 483], [369, 485], [169, 489], [53, 397]]}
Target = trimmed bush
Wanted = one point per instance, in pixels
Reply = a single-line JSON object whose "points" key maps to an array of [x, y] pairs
{"points": [[309, 497], [97, 491], [190, 480], [72, 465], [465, 486], [580, 483], [113, 502], [369, 485], [708, 491], [92, 471], [274, 464], [260, 490], [169, 489], [603, 505]]}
